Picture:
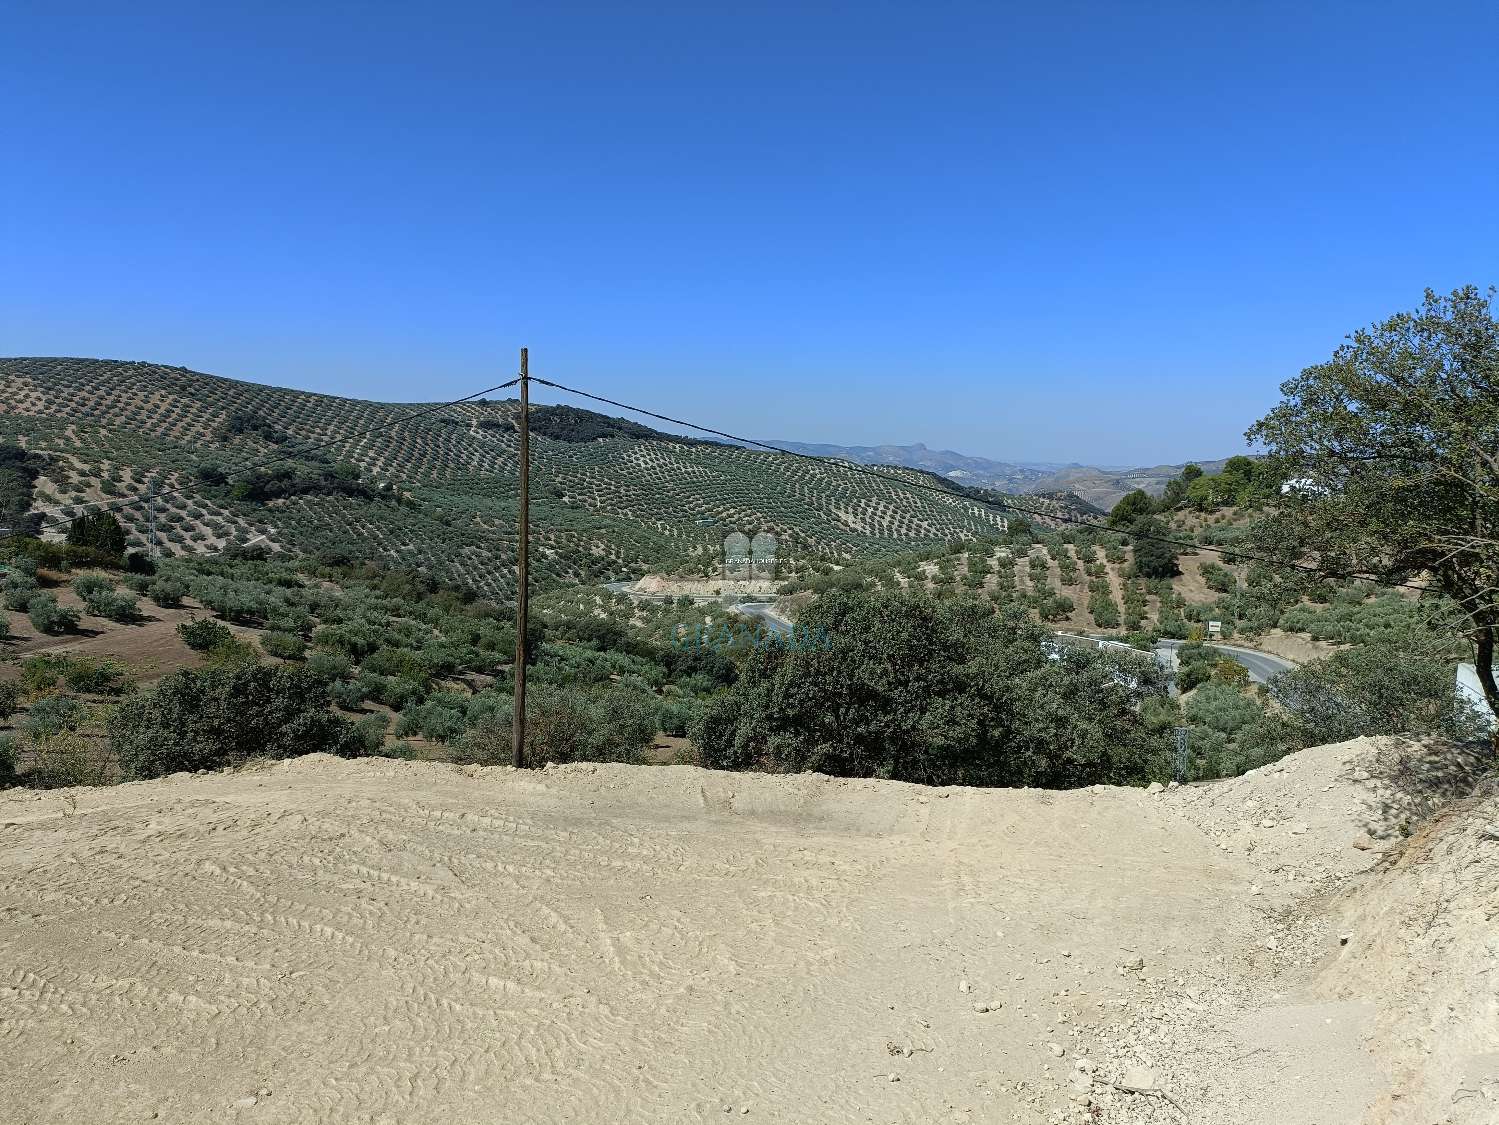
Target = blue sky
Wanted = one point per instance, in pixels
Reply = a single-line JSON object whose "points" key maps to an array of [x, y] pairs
{"points": [[1101, 232]]}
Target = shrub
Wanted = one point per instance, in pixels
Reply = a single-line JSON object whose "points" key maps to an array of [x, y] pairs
{"points": [[167, 591], [120, 606], [678, 715], [64, 759], [48, 617], [226, 715], [93, 676], [371, 731], [288, 646], [54, 713], [567, 724], [10, 698], [93, 591], [432, 720], [328, 666], [347, 695], [19, 590], [396, 692], [7, 759], [1378, 688], [203, 633], [395, 662], [42, 672]]}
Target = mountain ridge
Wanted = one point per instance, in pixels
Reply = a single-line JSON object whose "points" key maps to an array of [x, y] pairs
{"points": [[1100, 486]]}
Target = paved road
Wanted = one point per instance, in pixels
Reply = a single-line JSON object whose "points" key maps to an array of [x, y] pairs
{"points": [[1262, 666], [765, 613]]}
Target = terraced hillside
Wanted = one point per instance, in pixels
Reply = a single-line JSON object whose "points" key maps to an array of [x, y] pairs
{"points": [[437, 492]]}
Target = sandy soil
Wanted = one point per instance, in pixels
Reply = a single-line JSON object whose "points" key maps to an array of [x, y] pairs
{"points": [[378, 941]]}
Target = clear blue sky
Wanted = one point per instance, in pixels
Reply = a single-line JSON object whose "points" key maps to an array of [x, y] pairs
{"points": [[1102, 232]]}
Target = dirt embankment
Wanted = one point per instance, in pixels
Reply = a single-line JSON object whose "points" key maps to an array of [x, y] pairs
{"points": [[372, 941]]}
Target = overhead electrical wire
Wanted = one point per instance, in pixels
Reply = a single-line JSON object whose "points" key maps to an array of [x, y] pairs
{"points": [[1006, 505]]}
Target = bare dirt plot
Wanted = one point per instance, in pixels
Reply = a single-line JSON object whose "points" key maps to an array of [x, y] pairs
{"points": [[372, 941]]}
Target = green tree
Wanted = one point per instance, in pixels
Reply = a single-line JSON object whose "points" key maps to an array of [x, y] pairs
{"points": [[1155, 555], [942, 692], [1391, 451], [98, 531], [1380, 688], [1132, 506]]}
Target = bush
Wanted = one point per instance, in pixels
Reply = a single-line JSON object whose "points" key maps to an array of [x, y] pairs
{"points": [[42, 672], [202, 634], [1374, 689], [679, 714], [347, 695], [53, 714], [328, 666], [64, 759], [167, 591], [371, 731], [288, 646], [7, 759], [396, 692], [48, 617], [19, 590], [121, 607], [432, 720], [93, 676], [569, 724], [10, 698], [223, 716], [93, 591]]}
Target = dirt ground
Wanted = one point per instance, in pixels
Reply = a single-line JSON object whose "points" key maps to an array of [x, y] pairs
{"points": [[382, 941]]}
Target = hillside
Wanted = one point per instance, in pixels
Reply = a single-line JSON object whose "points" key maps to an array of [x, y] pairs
{"points": [[438, 493], [1103, 488], [649, 944], [976, 471], [1099, 487]]}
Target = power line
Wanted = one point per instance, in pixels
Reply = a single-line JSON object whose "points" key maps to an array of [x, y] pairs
{"points": [[978, 501], [286, 455]]}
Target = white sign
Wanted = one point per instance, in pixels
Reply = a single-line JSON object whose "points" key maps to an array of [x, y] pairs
{"points": [[1214, 628]]}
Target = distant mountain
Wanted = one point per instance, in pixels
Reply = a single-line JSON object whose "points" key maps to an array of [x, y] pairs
{"points": [[1100, 487], [1103, 487], [980, 472]]}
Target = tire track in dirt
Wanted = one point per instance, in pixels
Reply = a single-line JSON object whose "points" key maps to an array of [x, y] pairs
{"points": [[377, 942]]}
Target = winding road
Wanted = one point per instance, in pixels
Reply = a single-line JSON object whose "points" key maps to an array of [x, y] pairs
{"points": [[1262, 666]]}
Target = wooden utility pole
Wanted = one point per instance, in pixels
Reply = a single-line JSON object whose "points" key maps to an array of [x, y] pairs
{"points": [[518, 731]]}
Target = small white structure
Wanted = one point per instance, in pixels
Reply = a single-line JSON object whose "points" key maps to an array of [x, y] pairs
{"points": [[1303, 486], [1470, 690]]}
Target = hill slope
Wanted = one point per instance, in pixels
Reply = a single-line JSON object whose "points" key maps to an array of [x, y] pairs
{"points": [[437, 492]]}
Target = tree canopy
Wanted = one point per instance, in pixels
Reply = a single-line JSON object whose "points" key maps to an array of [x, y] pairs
{"points": [[941, 692], [1394, 443]]}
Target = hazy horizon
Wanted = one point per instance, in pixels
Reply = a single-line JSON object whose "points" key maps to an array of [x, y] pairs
{"points": [[1086, 233]]}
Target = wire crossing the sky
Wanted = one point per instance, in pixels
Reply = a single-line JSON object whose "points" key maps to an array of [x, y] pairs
{"points": [[1006, 505]]}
